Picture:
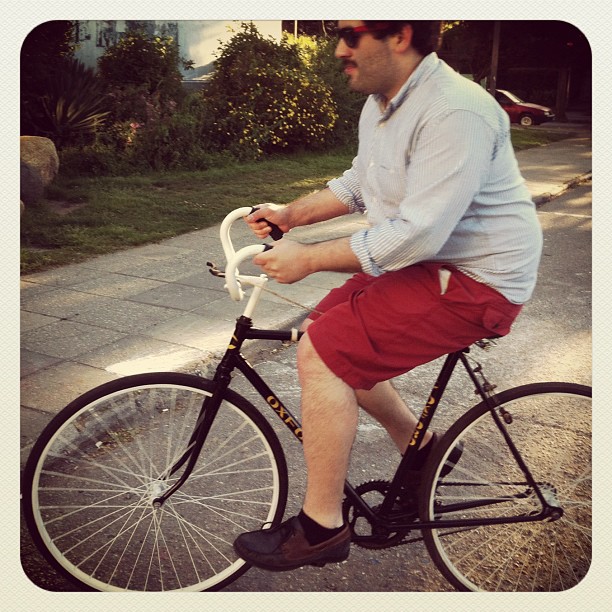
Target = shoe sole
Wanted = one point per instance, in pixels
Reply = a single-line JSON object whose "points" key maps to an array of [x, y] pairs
{"points": [[316, 562]]}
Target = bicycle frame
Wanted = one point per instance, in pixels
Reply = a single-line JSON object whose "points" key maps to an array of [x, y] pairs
{"points": [[234, 360]]}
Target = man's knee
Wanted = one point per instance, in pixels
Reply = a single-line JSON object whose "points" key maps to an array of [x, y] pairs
{"points": [[306, 353], [306, 324], [310, 366]]}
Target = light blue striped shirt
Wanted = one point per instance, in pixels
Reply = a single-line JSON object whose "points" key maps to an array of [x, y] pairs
{"points": [[437, 176]]}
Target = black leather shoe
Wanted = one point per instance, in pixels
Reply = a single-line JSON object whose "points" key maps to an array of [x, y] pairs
{"points": [[285, 547], [451, 461], [407, 501]]}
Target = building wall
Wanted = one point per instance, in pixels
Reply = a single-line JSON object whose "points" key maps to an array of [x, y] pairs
{"points": [[198, 40]]}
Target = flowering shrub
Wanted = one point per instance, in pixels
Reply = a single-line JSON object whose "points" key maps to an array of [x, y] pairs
{"points": [[143, 83], [265, 99]]}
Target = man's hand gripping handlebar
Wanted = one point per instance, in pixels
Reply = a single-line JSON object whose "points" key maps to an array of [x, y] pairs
{"points": [[235, 258]]}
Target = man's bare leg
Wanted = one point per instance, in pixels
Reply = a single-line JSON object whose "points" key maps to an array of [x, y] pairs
{"points": [[330, 410], [384, 403], [329, 424]]}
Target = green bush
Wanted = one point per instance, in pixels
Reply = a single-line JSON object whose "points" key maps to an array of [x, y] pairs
{"points": [[144, 83], [145, 64], [318, 53], [96, 160], [265, 99], [177, 143]]}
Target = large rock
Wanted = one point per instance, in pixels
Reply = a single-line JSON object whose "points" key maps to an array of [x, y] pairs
{"points": [[39, 166], [32, 187]]}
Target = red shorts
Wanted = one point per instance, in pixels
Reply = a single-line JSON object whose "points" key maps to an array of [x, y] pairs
{"points": [[375, 328]]}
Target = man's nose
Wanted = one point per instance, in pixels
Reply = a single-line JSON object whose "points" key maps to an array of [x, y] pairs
{"points": [[342, 49]]}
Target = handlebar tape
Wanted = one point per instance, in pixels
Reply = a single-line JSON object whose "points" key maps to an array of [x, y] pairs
{"points": [[276, 233]]}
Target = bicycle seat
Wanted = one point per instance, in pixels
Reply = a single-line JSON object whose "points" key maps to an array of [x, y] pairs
{"points": [[482, 343]]}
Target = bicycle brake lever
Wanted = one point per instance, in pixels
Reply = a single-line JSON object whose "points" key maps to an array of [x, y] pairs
{"points": [[214, 270], [277, 232]]}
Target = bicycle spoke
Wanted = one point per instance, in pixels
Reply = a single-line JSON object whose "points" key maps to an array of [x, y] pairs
{"points": [[94, 482], [487, 483]]}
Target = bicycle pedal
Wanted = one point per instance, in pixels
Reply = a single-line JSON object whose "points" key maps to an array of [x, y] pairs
{"points": [[401, 511]]}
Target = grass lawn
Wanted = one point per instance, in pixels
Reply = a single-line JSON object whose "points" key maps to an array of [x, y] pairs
{"points": [[81, 218]]}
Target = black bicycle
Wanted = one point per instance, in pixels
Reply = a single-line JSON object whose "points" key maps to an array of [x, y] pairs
{"points": [[143, 483]]}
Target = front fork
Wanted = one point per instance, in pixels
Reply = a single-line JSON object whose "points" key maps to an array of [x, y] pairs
{"points": [[208, 413]]}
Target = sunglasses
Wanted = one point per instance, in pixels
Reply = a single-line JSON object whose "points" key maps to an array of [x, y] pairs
{"points": [[351, 36]]}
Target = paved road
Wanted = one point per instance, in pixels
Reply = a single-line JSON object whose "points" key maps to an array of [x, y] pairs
{"points": [[551, 341]]}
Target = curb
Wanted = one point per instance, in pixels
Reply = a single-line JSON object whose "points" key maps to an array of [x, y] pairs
{"points": [[551, 195]]}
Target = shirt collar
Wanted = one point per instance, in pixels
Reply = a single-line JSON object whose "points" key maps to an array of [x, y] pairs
{"points": [[427, 65]]}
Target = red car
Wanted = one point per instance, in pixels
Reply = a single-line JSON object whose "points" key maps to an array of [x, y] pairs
{"points": [[521, 112]]}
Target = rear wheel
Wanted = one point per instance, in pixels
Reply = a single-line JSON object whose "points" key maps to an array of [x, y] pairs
{"points": [[551, 427], [91, 479]]}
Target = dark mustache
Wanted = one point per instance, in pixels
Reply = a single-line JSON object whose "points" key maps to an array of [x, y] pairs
{"points": [[346, 63]]}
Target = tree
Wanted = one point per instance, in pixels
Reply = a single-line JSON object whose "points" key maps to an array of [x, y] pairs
{"points": [[542, 60], [467, 47], [45, 45], [140, 60], [43, 53], [308, 28]]}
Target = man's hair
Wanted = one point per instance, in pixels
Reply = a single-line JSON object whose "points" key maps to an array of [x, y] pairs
{"points": [[426, 35]]}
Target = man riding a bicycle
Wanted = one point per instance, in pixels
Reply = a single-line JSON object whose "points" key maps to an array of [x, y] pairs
{"points": [[450, 256]]}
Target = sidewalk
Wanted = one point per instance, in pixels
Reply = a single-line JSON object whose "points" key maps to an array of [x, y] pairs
{"points": [[158, 308]]}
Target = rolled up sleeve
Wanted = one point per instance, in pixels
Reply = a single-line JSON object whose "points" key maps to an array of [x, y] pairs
{"points": [[348, 190]]}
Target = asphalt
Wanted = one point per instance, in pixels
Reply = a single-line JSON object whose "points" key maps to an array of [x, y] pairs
{"points": [[157, 307]]}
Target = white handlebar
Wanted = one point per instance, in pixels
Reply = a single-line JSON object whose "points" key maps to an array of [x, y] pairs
{"points": [[231, 270], [233, 258], [226, 241]]}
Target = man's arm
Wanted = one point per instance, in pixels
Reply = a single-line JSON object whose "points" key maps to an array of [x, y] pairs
{"points": [[315, 207], [289, 261]]}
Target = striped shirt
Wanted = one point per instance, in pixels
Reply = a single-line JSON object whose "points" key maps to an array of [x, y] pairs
{"points": [[437, 176]]}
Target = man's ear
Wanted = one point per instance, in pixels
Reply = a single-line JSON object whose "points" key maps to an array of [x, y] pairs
{"points": [[404, 38]]}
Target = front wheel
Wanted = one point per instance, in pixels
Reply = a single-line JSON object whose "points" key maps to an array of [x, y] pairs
{"points": [[92, 476], [551, 427]]}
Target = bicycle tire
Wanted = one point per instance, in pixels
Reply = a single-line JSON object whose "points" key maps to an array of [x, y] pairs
{"points": [[551, 427], [92, 475]]}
